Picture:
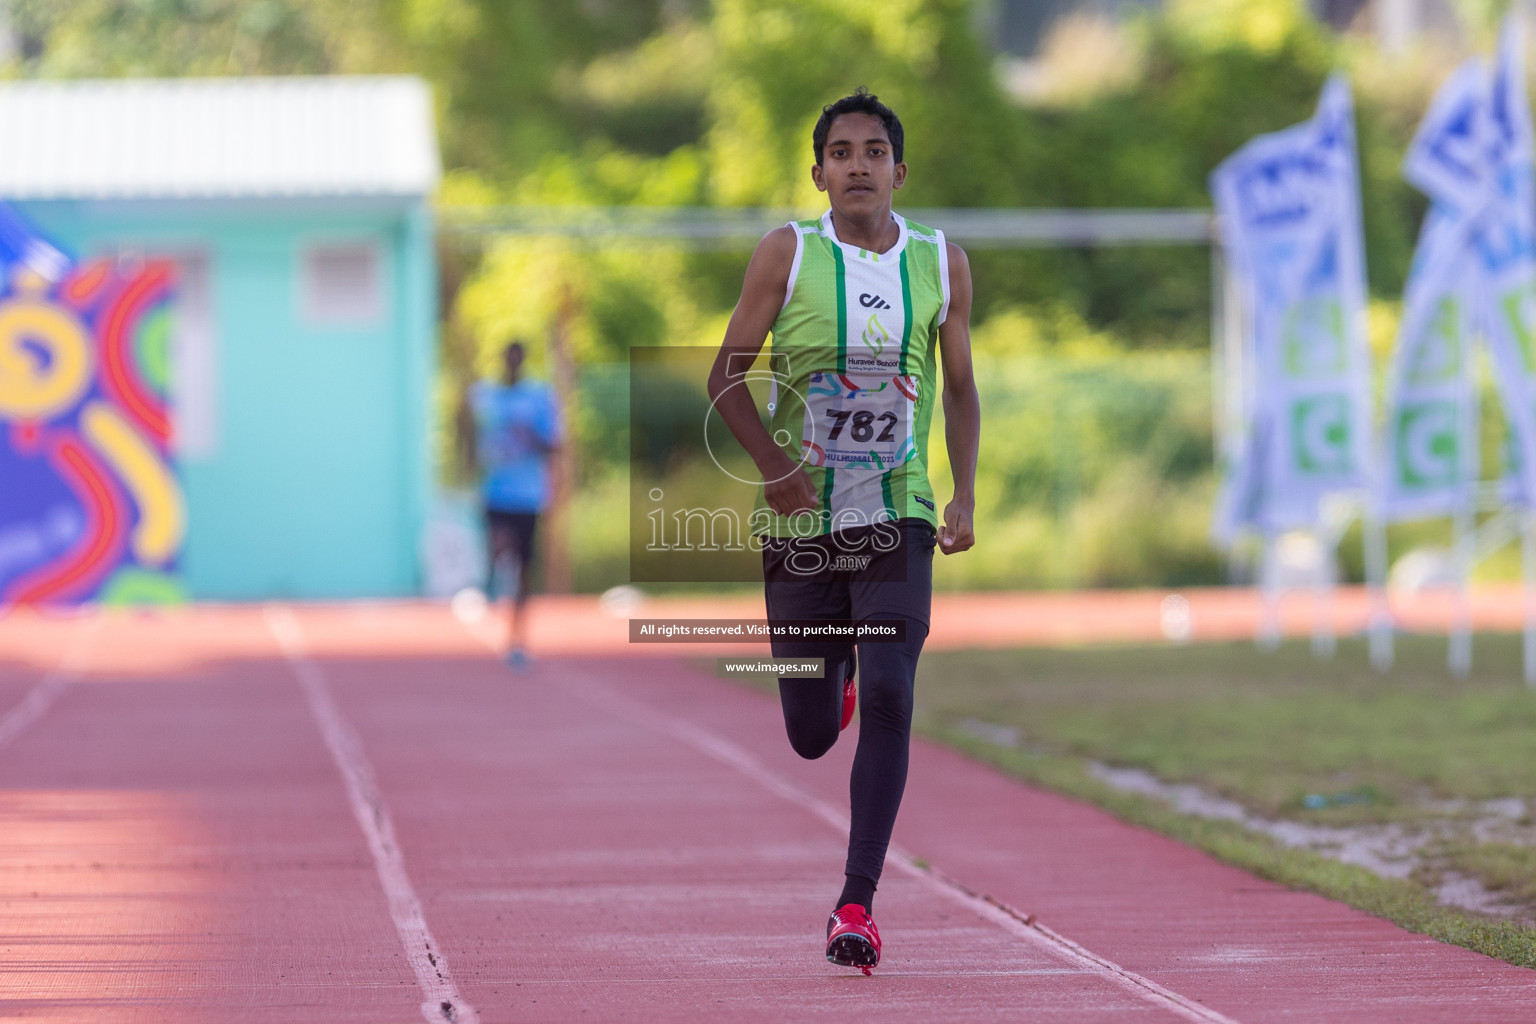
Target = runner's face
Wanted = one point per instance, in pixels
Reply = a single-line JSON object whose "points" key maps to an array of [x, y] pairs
{"points": [[858, 171]]}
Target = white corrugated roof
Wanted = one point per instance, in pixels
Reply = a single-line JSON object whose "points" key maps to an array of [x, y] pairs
{"points": [[216, 137]]}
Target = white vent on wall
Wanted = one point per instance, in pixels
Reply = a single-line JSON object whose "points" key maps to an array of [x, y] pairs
{"points": [[342, 284], [194, 360]]}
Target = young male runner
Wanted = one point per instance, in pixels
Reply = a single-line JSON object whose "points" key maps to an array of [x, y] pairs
{"points": [[861, 304], [511, 430]]}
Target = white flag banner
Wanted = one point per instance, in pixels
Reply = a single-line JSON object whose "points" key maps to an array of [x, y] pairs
{"points": [[1431, 436], [1474, 274], [1289, 208], [1505, 241]]}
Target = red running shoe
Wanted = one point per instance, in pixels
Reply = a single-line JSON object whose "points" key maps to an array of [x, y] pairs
{"points": [[850, 691], [852, 938]]}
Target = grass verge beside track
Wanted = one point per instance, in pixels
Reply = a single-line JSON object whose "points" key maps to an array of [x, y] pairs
{"points": [[1280, 734], [1406, 903]]}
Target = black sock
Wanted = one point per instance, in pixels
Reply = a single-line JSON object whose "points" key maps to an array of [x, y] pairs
{"points": [[860, 890]]}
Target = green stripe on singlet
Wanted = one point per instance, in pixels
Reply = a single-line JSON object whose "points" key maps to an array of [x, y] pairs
{"points": [[842, 309], [826, 503], [885, 494], [842, 367], [906, 315]]}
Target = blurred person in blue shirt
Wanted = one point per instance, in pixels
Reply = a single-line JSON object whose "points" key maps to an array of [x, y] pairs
{"points": [[514, 427]]}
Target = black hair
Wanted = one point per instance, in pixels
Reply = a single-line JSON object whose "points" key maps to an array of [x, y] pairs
{"points": [[861, 102], [513, 348]]}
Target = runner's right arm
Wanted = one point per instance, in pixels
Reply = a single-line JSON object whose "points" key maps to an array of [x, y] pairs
{"points": [[788, 488]]}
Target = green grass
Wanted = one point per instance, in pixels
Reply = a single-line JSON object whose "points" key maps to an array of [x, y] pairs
{"points": [[1267, 731], [1504, 868], [1407, 903]]}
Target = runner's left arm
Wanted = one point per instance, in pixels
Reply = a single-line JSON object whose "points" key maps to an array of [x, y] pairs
{"points": [[962, 407]]}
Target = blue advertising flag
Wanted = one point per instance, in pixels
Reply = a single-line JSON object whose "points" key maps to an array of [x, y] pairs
{"points": [[1473, 275], [1289, 209]]}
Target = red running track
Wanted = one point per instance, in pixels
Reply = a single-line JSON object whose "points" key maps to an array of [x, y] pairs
{"points": [[357, 814]]}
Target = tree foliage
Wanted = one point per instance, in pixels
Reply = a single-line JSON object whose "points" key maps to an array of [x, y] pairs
{"points": [[711, 103], [112, 38]]}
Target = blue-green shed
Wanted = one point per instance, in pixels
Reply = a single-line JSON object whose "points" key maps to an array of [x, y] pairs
{"points": [[297, 212]]}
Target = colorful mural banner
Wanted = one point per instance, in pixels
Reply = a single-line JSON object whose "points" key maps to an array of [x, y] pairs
{"points": [[1289, 209], [91, 508], [1474, 274]]}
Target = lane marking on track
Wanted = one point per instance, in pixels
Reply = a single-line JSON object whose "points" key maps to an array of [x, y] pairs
{"points": [[47, 689], [1020, 925], [442, 999]]}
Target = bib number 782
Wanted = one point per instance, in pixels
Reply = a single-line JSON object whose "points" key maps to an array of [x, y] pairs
{"points": [[858, 421], [863, 425]]}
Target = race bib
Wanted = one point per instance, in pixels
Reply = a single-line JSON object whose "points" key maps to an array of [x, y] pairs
{"points": [[859, 421]]}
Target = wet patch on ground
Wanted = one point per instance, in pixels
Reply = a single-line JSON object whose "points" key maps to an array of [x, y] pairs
{"points": [[1472, 855]]}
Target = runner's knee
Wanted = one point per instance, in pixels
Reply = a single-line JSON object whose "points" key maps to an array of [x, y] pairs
{"points": [[887, 674], [812, 740], [813, 707], [810, 717]]}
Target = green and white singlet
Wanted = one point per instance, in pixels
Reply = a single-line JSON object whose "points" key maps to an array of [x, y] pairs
{"points": [[854, 346]]}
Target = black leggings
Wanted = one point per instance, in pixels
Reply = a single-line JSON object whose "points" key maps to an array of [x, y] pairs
{"points": [[896, 585], [812, 714]]}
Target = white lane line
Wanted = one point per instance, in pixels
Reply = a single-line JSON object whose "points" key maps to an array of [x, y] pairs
{"points": [[1022, 926], [47, 689], [442, 999]]}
